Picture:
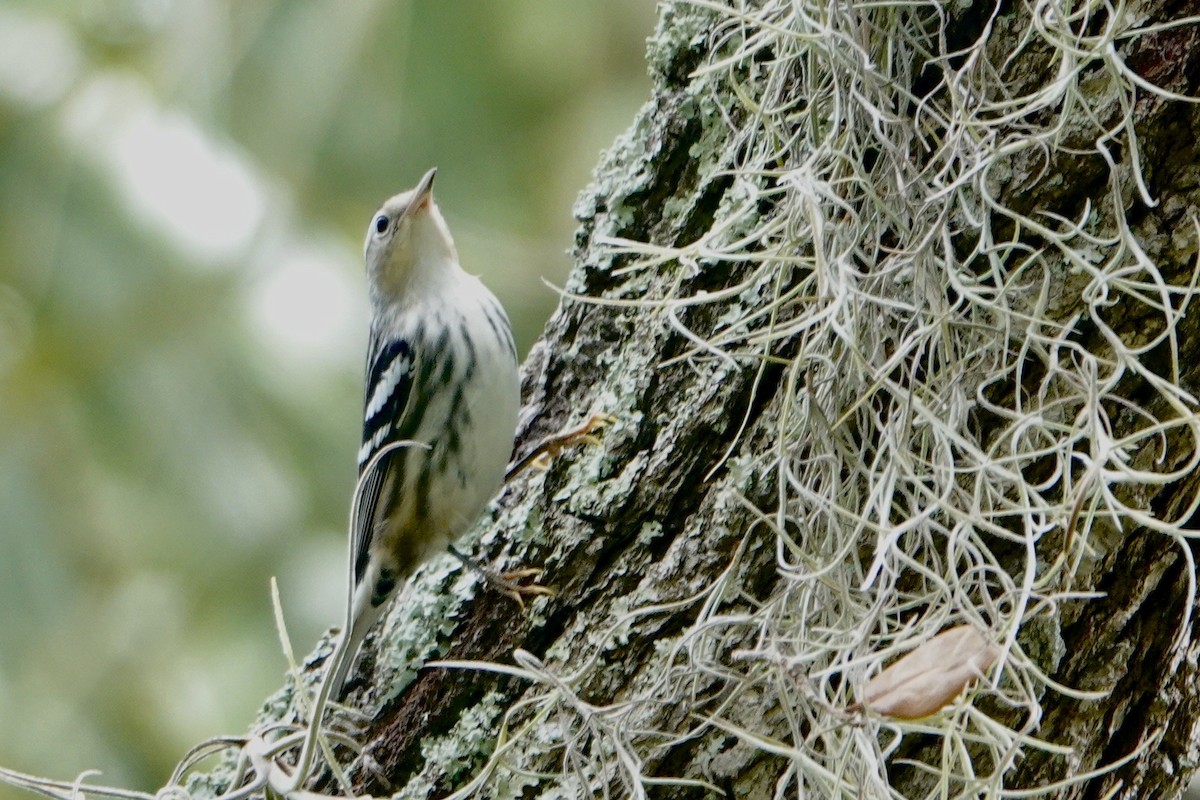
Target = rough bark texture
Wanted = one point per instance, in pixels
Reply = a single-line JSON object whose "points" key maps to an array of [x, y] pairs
{"points": [[645, 518]]}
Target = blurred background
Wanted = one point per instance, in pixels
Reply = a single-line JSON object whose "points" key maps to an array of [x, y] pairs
{"points": [[184, 187]]}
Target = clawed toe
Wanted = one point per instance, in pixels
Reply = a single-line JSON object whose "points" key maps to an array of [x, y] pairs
{"points": [[540, 456], [520, 583]]}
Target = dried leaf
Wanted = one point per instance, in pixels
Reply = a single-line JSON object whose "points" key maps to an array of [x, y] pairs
{"points": [[926, 680]]}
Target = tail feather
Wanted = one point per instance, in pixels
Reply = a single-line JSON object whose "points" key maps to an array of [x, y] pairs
{"points": [[345, 653]]}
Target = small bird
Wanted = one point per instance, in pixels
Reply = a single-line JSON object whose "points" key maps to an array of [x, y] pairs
{"points": [[439, 408], [439, 417]]}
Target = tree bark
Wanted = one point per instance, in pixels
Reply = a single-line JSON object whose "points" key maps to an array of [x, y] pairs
{"points": [[666, 542]]}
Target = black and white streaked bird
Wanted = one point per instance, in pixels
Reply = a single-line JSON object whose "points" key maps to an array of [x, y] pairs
{"points": [[439, 410], [439, 419]]}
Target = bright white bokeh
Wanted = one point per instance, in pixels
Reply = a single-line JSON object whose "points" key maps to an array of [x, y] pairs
{"points": [[198, 193], [303, 296], [39, 59], [307, 304]]}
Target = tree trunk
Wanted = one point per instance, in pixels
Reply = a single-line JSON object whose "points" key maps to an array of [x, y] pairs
{"points": [[893, 340]]}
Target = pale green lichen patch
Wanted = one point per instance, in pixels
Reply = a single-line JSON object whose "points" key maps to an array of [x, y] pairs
{"points": [[649, 533], [451, 759], [679, 41], [420, 622]]}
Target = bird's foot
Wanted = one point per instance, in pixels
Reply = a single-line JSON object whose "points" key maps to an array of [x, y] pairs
{"points": [[541, 455], [518, 584]]}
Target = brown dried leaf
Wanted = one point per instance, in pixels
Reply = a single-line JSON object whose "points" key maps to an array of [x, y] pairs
{"points": [[926, 680]]}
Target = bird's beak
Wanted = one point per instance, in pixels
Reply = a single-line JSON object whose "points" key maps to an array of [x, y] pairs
{"points": [[424, 191]]}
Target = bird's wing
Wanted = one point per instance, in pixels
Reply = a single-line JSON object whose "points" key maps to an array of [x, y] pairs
{"points": [[391, 374]]}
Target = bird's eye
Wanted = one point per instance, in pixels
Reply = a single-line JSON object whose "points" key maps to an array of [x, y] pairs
{"points": [[381, 223]]}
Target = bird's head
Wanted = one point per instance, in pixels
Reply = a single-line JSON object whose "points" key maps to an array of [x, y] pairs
{"points": [[408, 242]]}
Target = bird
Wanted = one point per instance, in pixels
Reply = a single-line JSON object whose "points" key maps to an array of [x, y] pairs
{"points": [[439, 405], [439, 417]]}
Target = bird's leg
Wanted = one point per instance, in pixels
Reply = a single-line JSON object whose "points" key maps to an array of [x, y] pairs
{"points": [[510, 584], [521, 583], [555, 443]]}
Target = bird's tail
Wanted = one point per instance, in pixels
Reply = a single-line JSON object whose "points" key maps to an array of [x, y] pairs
{"points": [[338, 669], [345, 653]]}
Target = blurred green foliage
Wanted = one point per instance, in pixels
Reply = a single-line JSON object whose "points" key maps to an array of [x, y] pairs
{"points": [[184, 187]]}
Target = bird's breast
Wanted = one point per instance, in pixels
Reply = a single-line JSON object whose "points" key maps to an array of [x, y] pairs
{"points": [[465, 410]]}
